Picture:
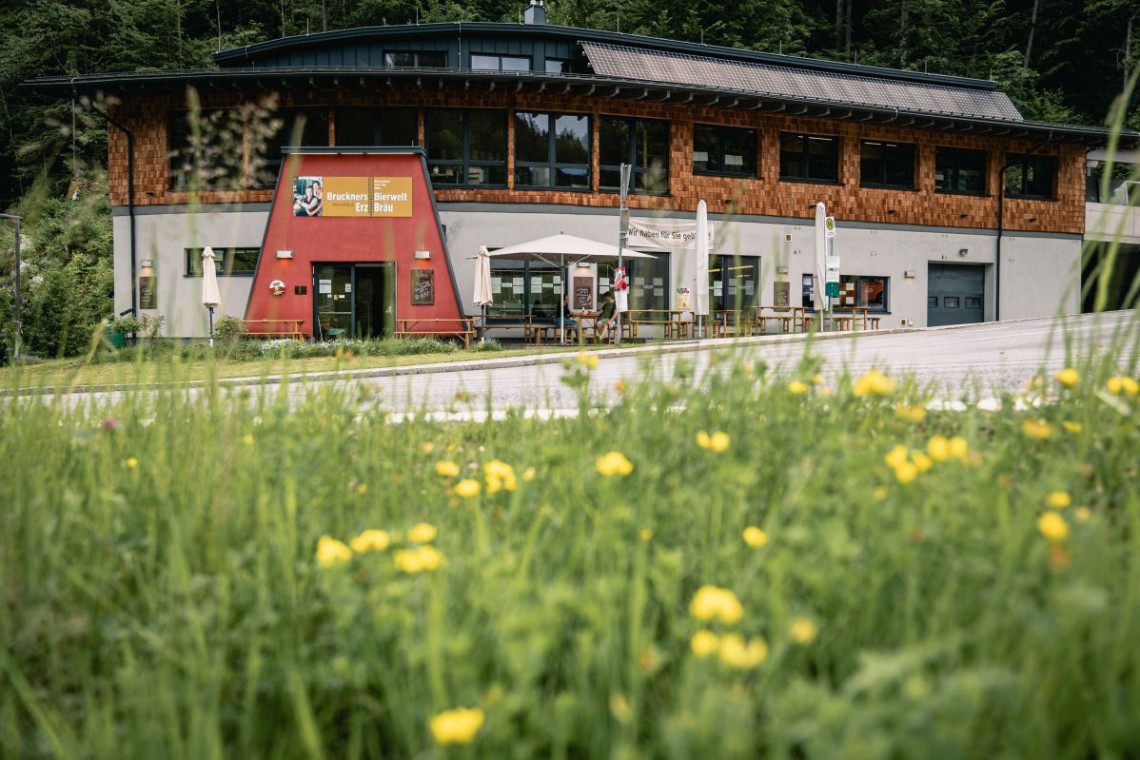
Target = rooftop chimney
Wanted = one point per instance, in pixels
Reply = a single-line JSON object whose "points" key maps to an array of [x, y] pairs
{"points": [[535, 13]]}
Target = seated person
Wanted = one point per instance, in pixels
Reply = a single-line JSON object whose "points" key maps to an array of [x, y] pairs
{"points": [[539, 312], [566, 320], [607, 317]]}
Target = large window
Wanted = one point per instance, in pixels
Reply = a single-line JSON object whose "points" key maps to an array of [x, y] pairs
{"points": [[552, 150], [414, 59], [240, 147], [466, 147], [863, 291], [642, 143], [648, 281], [488, 62], [733, 282], [376, 126], [1030, 176], [809, 158], [959, 170], [235, 262], [724, 150], [886, 164], [524, 287]]}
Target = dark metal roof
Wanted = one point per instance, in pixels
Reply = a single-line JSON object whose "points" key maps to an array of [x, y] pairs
{"points": [[771, 80]]}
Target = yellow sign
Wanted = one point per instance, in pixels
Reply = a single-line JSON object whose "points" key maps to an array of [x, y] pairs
{"points": [[353, 196]]}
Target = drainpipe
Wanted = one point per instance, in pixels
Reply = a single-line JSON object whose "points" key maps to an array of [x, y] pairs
{"points": [[1001, 225], [130, 204]]}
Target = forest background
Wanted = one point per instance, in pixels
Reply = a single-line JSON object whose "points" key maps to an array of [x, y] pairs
{"points": [[1059, 60]]}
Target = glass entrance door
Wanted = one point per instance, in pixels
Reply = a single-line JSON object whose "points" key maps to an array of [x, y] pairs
{"points": [[354, 300]]}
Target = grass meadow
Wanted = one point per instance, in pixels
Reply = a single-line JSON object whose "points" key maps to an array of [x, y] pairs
{"points": [[737, 564]]}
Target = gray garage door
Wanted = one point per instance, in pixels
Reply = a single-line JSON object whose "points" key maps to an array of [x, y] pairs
{"points": [[956, 294]]}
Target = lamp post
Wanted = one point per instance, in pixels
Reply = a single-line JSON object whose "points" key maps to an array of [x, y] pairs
{"points": [[16, 342]]}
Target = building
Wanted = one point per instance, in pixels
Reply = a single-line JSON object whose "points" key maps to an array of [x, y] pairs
{"points": [[499, 133]]}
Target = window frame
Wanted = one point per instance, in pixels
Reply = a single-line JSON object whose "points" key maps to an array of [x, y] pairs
{"points": [[552, 164], [720, 131], [630, 156], [466, 163], [223, 259], [805, 157], [663, 258], [416, 64], [860, 294], [526, 270], [376, 113], [732, 262], [1024, 160], [499, 58], [883, 182], [955, 168]]}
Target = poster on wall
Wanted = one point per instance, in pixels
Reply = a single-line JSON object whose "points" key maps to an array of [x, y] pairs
{"points": [[423, 287], [352, 196], [583, 294], [148, 292], [781, 294]]}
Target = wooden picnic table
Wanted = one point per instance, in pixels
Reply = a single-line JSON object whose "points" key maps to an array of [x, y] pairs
{"points": [[789, 318], [275, 328], [448, 327]]}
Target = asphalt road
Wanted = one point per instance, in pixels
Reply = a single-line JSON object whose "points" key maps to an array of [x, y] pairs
{"points": [[989, 358]]}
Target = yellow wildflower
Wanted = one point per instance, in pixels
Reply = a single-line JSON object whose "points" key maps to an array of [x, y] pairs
{"points": [[614, 463], [880, 493], [587, 360], [896, 456], [371, 540], [906, 472], [131, 463], [1072, 427], [817, 379], [1058, 500], [646, 534], [1068, 377], [528, 474], [874, 383], [620, 707], [500, 476], [1130, 386], [1114, 385], [797, 387], [1053, 527], [418, 560], [938, 448], [703, 439], [755, 537], [457, 726], [362, 488], [247, 439], [331, 552], [422, 533], [911, 413], [803, 630], [1037, 429], [735, 653], [467, 488], [446, 468], [427, 447], [959, 448], [1082, 513], [711, 602], [719, 442], [921, 461], [704, 643]]}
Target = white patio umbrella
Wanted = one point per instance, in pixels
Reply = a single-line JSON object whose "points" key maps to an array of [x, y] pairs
{"points": [[482, 297], [701, 284], [211, 297], [821, 257], [563, 250]]}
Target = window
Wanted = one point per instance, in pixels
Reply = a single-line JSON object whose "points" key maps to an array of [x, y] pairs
{"points": [[376, 126], [239, 147], [552, 150], [733, 282], [807, 292], [724, 150], [522, 287], [863, 291], [809, 158], [484, 62], [642, 143], [230, 262], [648, 281], [1030, 176], [466, 147], [886, 164], [415, 59], [557, 66], [958, 170], [299, 127]]}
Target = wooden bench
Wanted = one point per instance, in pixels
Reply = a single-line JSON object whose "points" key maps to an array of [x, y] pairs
{"points": [[275, 328], [448, 327], [522, 322]]}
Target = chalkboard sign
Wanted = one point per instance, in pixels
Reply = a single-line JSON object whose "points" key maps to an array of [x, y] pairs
{"points": [[781, 293], [423, 287], [148, 292], [583, 299]]}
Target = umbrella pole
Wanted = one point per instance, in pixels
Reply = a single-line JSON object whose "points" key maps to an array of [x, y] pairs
{"points": [[562, 304], [211, 327]]}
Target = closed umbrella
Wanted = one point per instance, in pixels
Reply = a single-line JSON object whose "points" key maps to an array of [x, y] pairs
{"points": [[482, 297], [821, 257], [701, 286], [211, 297]]}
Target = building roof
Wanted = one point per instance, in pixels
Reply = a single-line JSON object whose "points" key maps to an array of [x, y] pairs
{"points": [[620, 66]]}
